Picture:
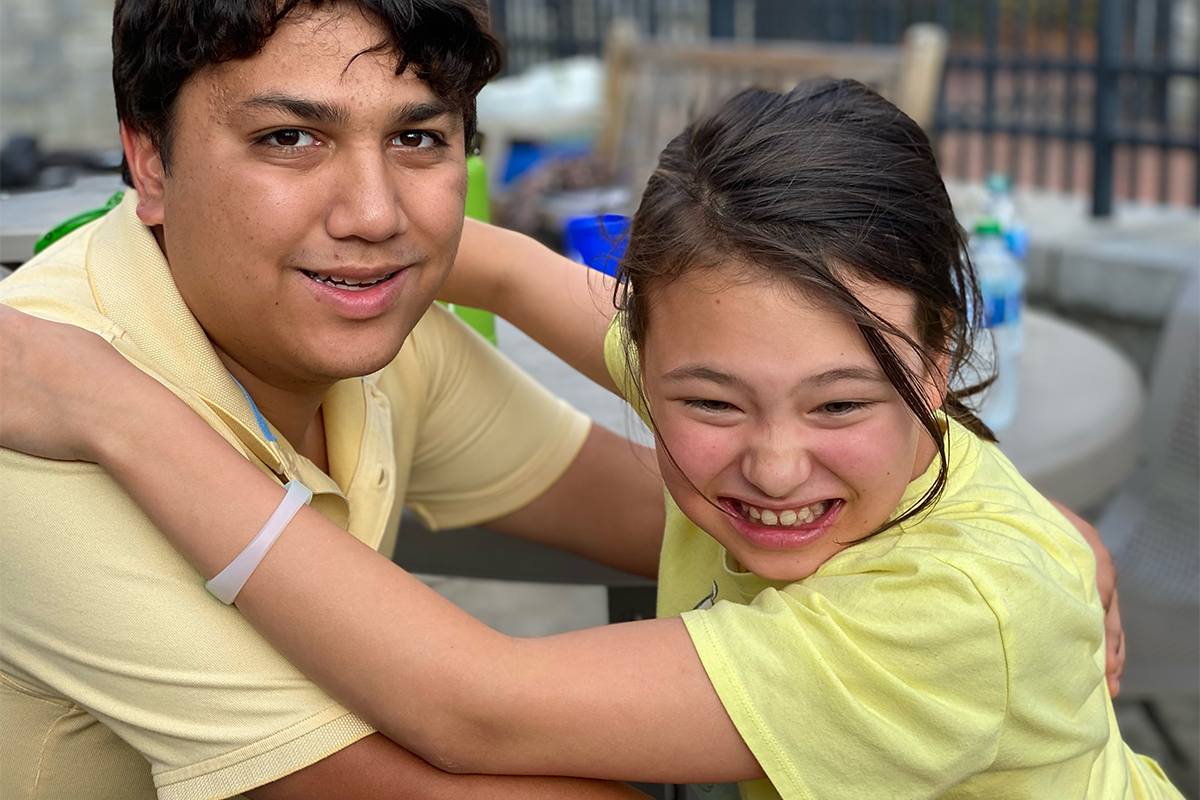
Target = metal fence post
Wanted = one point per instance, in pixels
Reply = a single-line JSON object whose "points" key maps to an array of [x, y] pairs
{"points": [[720, 18], [1104, 131], [496, 14], [568, 43]]}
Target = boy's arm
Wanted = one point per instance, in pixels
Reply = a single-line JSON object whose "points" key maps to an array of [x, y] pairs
{"points": [[564, 306]]}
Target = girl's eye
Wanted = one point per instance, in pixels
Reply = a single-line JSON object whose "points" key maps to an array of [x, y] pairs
{"points": [[416, 140], [714, 406], [840, 408], [290, 137]]}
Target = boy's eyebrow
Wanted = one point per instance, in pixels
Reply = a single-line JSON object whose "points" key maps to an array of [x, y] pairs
{"points": [[310, 110], [331, 114], [420, 111]]}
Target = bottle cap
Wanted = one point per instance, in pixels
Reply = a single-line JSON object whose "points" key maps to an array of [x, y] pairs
{"points": [[988, 226], [999, 183]]}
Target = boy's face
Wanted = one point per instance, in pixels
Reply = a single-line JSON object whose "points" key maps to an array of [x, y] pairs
{"points": [[314, 202], [776, 410]]}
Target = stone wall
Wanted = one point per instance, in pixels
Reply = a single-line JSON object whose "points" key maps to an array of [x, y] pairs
{"points": [[56, 73]]}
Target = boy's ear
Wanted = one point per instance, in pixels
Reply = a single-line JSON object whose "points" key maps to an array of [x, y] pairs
{"points": [[146, 168]]}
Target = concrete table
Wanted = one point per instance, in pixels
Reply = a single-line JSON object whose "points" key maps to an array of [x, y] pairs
{"points": [[26, 217], [1078, 430]]}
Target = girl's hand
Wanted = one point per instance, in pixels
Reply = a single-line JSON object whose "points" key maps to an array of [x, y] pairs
{"points": [[1106, 584], [60, 387]]}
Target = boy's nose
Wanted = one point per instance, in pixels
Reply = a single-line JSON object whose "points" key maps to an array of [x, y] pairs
{"points": [[777, 467], [367, 203]]}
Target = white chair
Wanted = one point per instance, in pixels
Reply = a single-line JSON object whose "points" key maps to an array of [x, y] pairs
{"points": [[1152, 528]]}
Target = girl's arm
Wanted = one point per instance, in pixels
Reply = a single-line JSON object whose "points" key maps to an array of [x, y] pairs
{"points": [[563, 305], [627, 701]]}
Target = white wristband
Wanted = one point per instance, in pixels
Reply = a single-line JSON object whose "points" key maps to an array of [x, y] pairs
{"points": [[229, 582]]}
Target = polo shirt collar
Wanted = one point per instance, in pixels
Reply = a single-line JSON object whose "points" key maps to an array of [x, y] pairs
{"points": [[133, 287]]}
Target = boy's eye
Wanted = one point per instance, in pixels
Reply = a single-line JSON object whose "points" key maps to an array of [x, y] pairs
{"points": [[416, 139], [289, 137], [709, 405]]}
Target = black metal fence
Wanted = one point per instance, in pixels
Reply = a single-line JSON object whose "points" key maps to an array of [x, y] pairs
{"points": [[1096, 96]]}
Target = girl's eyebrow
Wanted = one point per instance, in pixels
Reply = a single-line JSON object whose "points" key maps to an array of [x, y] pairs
{"points": [[844, 374], [703, 373], [825, 378]]}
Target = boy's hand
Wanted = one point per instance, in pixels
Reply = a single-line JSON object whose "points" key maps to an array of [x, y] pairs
{"points": [[1106, 583]]}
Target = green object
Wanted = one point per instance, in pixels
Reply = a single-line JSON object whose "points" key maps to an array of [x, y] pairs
{"points": [[477, 208], [63, 228], [477, 193], [988, 226]]}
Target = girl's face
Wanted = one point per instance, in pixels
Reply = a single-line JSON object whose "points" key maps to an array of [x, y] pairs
{"points": [[775, 409]]}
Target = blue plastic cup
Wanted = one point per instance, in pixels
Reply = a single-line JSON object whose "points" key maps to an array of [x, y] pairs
{"points": [[599, 241]]}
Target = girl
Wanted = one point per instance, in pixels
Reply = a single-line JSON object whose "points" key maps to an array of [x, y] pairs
{"points": [[859, 596]]}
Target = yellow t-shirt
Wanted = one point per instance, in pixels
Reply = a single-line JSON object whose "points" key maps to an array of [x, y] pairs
{"points": [[959, 657], [120, 676]]}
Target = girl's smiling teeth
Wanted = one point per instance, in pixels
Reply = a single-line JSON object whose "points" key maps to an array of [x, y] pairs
{"points": [[786, 518], [348, 284]]}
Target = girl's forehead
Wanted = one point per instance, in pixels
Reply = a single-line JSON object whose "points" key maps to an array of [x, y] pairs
{"points": [[736, 295], [768, 334]]}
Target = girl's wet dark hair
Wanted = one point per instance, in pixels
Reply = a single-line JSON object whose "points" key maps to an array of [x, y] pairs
{"points": [[825, 185], [159, 44]]}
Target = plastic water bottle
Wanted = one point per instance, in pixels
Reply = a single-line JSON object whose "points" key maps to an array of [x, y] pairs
{"points": [[477, 208], [1002, 284], [1001, 206]]}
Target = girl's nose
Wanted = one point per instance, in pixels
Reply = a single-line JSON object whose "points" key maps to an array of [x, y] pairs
{"points": [[777, 466]]}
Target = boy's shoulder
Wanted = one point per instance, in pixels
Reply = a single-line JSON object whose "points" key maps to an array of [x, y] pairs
{"points": [[55, 284]]}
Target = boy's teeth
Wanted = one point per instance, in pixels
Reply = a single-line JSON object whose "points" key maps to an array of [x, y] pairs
{"points": [[350, 284], [786, 518]]}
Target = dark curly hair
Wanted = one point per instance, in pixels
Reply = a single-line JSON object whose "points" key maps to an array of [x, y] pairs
{"points": [[159, 44], [814, 187]]}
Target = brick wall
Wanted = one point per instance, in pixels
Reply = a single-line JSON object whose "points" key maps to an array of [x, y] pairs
{"points": [[56, 72]]}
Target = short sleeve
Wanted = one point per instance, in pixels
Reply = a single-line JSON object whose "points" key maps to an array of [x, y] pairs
{"points": [[893, 684], [99, 608], [491, 439], [622, 363]]}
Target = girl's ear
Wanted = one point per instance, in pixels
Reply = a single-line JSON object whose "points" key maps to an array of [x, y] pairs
{"points": [[939, 386], [938, 383]]}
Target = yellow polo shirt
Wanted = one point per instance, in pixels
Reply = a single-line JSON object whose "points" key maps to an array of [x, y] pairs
{"points": [[120, 676]]}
